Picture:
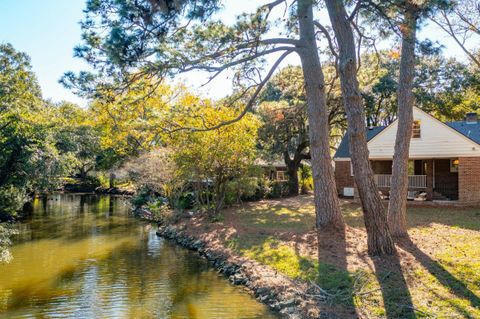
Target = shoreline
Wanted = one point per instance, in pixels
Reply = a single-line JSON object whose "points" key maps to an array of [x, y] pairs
{"points": [[287, 297]]}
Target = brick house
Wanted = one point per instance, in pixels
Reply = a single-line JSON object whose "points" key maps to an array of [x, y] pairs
{"points": [[444, 159]]}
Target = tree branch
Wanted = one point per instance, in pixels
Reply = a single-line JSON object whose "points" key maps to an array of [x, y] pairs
{"points": [[249, 104]]}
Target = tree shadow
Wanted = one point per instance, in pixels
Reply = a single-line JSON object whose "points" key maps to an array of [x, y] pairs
{"points": [[333, 275], [462, 217], [396, 296], [456, 286]]}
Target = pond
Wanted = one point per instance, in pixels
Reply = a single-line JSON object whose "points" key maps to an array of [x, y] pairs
{"points": [[83, 256]]}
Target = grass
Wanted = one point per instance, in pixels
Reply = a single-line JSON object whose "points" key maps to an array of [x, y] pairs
{"points": [[435, 275]]}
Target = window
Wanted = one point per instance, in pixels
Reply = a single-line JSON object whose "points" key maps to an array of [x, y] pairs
{"points": [[351, 169], [454, 165], [416, 132], [281, 176]]}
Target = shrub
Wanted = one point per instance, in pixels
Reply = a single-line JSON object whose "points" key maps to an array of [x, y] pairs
{"points": [[12, 199], [241, 188], [142, 196], [279, 189], [161, 211], [5, 232], [184, 201], [306, 179]]}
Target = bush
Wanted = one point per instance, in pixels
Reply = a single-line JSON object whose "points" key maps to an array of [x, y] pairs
{"points": [[142, 196], [241, 189], [12, 199], [306, 179], [279, 189], [161, 211], [184, 201]]}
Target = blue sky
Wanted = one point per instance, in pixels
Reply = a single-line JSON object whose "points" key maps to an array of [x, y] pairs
{"points": [[48, 30]]}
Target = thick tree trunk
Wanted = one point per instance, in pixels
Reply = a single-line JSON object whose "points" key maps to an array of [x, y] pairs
{"points": [[379, 238], [397, 209], [293, 184], [327, 205]]}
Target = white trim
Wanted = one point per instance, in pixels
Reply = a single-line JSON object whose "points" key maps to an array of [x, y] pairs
{"points": [[278, 178], [342, 159], [437, 120], [380, 133]]}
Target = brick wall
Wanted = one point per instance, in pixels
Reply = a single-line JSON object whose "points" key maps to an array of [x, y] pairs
{"points": [[343, 176], [469, 180]]}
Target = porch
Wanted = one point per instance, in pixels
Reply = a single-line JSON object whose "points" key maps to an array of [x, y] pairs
{"points": [[428, 179]]}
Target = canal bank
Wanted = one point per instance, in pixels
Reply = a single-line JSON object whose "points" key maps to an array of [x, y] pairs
{"points": [[290, 298], [84, 256]]}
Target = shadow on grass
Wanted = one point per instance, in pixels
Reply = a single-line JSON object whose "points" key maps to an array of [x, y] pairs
{"points": [[466, 218], [396, 296], [456, 286], [333, 275]]}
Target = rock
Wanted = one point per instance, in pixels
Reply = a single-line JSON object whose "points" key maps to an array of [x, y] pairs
{"points": [[262, 291], [287, 303], [238, 279]]}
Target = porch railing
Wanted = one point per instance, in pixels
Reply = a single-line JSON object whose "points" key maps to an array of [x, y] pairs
{"points": [[414, 181]]}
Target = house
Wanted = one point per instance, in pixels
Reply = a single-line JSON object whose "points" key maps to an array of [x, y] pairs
{"points": [[444, 159], [274, 170]]}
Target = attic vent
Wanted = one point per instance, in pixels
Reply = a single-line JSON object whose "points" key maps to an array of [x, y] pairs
{"points": [[471, 118]]}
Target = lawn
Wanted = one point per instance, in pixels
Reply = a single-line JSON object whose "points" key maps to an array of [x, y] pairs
{"points": [[436, 273]]}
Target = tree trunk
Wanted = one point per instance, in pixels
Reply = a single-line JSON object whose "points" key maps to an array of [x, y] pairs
{"points": [[293, 184], [292, 172], [379, 238], [327, 205], [111, 180], [397, 209]]}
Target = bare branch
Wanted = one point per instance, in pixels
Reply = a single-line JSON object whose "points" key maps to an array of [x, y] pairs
{"points": [[328, 37], [448, 28], [249, 104]]}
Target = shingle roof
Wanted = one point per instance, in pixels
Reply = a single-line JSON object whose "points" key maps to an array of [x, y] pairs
{"points": [[470, 130], [343, 149]]}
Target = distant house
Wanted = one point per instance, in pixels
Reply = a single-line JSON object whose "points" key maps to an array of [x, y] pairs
{"points": [[274, 170], [444, 159]]}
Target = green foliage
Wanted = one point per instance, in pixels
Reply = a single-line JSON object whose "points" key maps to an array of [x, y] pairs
{"points": [[161, 211], [12, 199], [306, 179], [210, 160], [446, 88], [142, 197], [244, 187], [6, 231], [278, 190], [29, 160]]}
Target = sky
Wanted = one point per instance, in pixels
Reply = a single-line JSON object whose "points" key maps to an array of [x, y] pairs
{"points": [[48, 30]]}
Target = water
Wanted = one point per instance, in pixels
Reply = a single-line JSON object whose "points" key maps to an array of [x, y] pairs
{"points": [[84, 257]]}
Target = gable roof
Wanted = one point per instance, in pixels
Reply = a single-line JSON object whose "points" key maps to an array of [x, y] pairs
{"points": [[469, 130], [343, 149]]}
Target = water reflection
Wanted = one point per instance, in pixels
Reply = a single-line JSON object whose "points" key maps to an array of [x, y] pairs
{"points": [[83, 257]]}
